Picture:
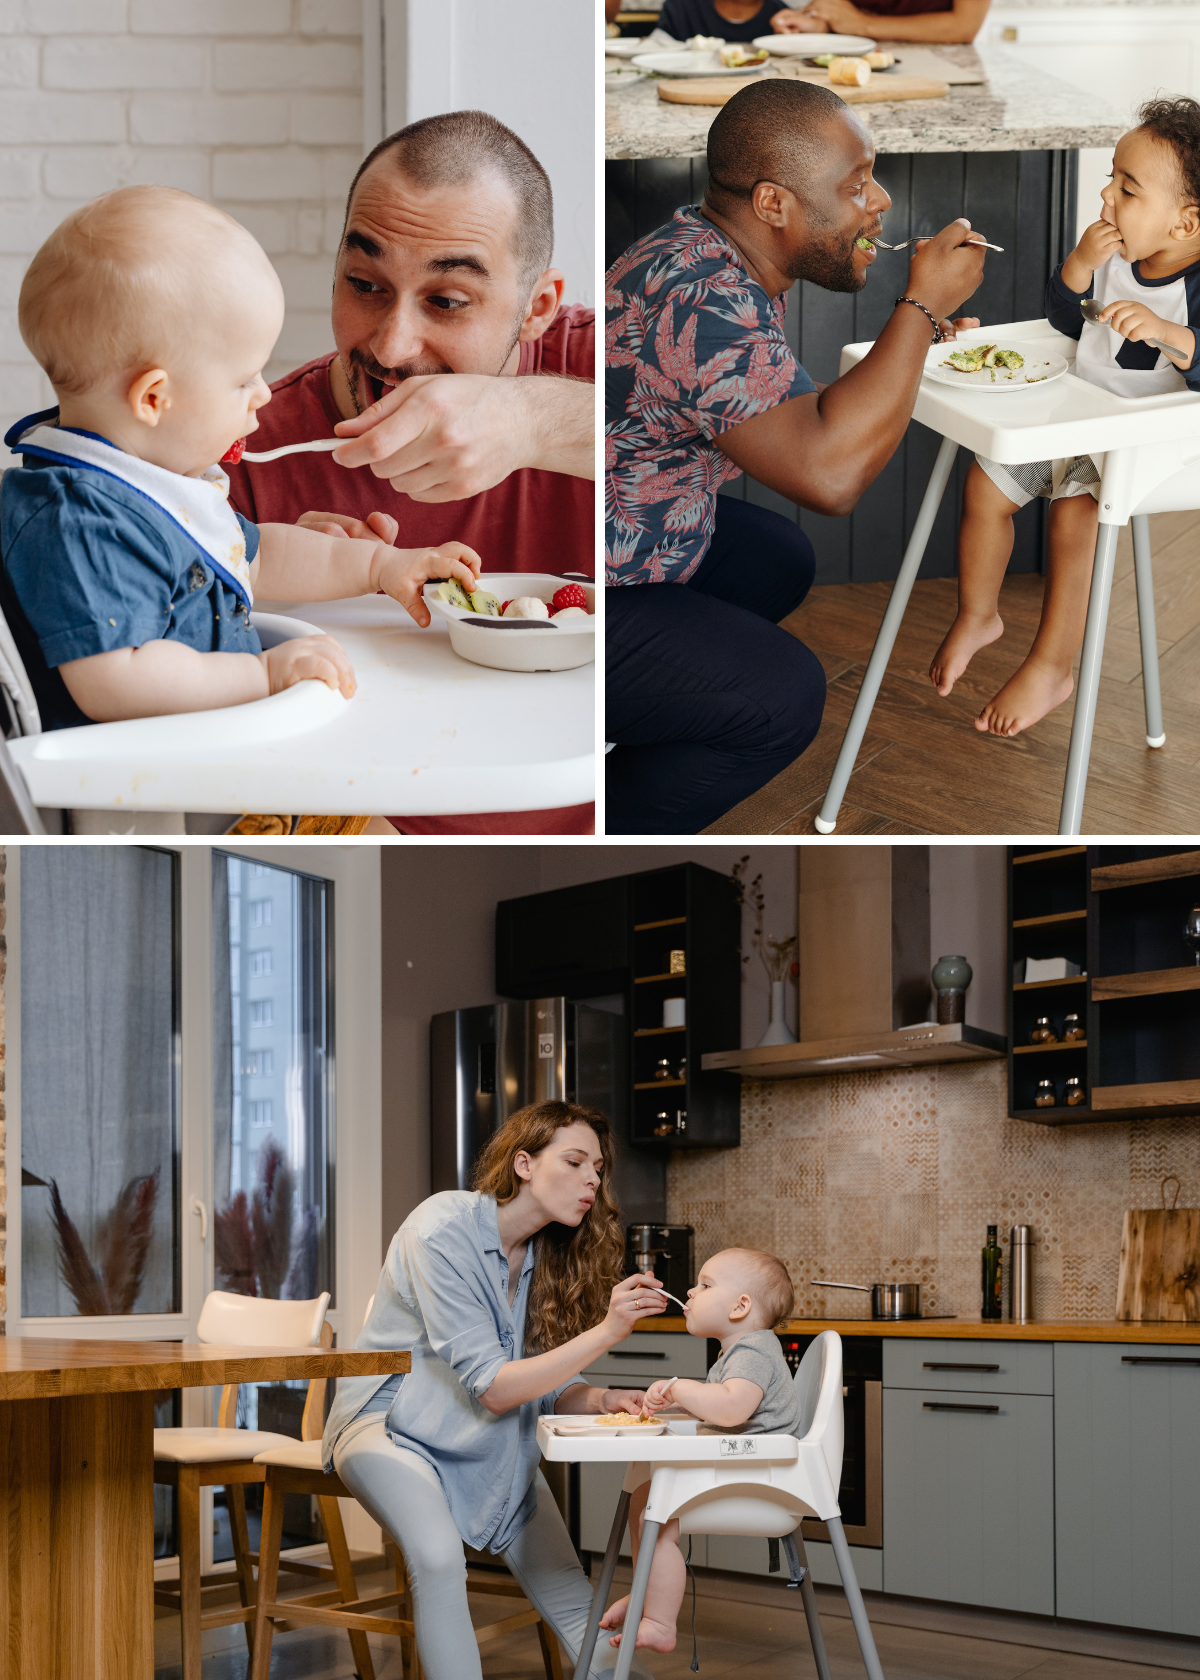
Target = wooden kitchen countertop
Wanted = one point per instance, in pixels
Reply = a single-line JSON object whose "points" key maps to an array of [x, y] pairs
{"points": [[50, 1367], [974, 1329]]}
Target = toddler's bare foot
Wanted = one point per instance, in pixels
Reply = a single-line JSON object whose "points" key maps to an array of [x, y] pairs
{"points": [[965, 638], [614, 1616], [651, 1636], [1025, 698]]}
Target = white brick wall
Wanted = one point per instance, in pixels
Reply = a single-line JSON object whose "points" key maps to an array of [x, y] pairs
{"points": [[253, 104]]}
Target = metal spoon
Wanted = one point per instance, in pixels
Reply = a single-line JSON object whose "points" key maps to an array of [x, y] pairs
{"points": [[1091, 311], [884, 246], [658, 1290], [292, 449]]}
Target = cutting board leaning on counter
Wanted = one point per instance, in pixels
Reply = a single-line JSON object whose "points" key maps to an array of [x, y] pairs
{"points": [[742, 20]]}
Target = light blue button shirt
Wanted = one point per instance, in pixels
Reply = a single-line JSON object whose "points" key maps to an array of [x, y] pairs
{"points": [[443, 1296]]}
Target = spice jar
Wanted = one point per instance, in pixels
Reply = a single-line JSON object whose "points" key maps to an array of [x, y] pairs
{"points": [[1073, 1027], [681, 1070], [1043, 1032], [1045, 1097], [662, 1068], [664, 1125], [1074, 1093]]}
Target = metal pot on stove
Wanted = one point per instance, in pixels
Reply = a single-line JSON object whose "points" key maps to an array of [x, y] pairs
{"points": [[888, 1300]]}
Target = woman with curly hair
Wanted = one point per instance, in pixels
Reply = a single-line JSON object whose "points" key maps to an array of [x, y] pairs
{"points": [[502, 1294]]}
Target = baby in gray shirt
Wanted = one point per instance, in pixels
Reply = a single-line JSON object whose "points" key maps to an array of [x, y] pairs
{"points": [[740, 1294]]}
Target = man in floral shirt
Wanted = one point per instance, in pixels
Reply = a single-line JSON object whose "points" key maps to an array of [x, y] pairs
{"points": [[707, 699]]}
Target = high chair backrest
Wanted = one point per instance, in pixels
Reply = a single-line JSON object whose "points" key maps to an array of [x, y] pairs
{"points": [[15, 687], [229, 1320], [819, 1389]]}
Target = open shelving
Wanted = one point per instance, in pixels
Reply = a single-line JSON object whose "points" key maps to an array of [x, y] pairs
{"points": [[1118, 912]]}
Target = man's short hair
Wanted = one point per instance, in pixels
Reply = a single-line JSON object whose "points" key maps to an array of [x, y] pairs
{"points": [[458, 146], [770, 131]]}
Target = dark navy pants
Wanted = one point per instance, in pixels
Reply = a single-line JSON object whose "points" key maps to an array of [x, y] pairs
{"points": [[706, 697]]}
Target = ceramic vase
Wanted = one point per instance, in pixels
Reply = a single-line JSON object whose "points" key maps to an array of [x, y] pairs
{"points": [[778, 1032]]}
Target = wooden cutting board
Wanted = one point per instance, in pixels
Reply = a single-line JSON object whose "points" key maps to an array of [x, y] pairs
{"points": [[1160, 1265], [716, 90]]}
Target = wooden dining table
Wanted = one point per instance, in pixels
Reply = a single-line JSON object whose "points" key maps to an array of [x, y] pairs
{"points": [[77, 1519]]}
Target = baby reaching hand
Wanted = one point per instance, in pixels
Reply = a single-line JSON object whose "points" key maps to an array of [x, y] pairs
{"points": [[126, 577], [740, 1295]]}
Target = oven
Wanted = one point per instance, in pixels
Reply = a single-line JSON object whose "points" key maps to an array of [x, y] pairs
{"points": [[860, 1495]]}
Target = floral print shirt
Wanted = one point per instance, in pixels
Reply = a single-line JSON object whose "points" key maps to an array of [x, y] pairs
{"points": [[694, 347]]}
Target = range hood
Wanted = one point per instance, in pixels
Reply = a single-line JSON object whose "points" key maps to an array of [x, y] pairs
{"points": [[864, 987]]}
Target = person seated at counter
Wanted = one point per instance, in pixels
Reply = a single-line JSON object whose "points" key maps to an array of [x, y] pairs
{"points": [[707, 697], [461, 382], [891, 20], [731, 20]]}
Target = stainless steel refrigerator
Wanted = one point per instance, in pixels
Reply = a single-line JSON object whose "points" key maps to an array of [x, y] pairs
{"points": [[486, 1063]]}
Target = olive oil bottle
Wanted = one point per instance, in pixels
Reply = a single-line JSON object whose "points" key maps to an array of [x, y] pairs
{"points": [[993, 1266]]}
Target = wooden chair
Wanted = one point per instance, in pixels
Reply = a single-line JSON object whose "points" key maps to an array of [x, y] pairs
{"points": [[190, 1459], [295, 1467]]}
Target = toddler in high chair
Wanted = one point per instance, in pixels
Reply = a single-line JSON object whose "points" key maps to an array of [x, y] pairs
{"points": [[740, 1295], [1141, 261], [126, 577]]}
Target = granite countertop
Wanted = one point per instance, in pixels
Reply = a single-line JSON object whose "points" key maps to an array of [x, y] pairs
{"points": [[975, 1329], [1017, 110]]}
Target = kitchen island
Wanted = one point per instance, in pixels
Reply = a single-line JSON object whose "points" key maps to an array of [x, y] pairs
{"points": [[1002, 153]]}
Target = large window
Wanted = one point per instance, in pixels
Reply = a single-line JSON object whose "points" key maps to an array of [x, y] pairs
{"points": [[99, 965]]}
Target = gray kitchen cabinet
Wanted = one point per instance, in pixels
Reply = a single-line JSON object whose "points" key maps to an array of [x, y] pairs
{"points": [[968, 1497], [748, 1555], [1127, 1484], [936, 1362]]}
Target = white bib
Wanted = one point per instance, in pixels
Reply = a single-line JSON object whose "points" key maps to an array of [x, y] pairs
{"points": [[199, 506]]}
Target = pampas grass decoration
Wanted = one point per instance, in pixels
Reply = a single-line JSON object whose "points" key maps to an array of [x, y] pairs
{"points": [[123, 1240], [271, 1219], [234, 1247]]}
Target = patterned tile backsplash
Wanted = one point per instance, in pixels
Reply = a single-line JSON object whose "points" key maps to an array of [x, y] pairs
{"points": [[868, 1177]]}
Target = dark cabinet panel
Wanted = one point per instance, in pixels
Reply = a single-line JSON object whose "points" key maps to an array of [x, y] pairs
{"points": [[573, 942]]}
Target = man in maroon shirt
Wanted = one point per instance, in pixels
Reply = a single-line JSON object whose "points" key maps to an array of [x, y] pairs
{"points": [[444, 306]]}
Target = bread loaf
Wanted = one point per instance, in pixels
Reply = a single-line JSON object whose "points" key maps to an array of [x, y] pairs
{"points": [[849, 72]]}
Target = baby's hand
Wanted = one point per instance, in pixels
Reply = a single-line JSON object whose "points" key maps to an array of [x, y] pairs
{"points": [[1099, 242], [1135, 322], [319, 657], [658, 1395], [402, 573]]}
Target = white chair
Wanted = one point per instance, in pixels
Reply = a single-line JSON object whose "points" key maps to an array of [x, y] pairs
{"points": [[736, 1492], [189, 1459]]}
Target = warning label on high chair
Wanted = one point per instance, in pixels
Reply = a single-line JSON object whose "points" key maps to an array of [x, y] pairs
{"points": [[738, 1446]]}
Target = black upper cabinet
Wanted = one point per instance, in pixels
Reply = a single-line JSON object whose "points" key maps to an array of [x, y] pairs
{"points": [[570, 943]]}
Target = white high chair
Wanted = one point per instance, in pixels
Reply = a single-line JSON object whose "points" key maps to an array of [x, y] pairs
{"points": [[1148, 452], [189, 1459], [760, 1485]]}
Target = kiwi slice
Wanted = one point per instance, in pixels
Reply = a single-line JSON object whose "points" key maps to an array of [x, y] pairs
{"points": [[483, 602], [454, 594]]}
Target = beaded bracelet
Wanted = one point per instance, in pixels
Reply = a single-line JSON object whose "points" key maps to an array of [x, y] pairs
{"points": [[938, 335]]}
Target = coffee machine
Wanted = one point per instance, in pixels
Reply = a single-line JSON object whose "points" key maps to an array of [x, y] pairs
{"points": [[669, 1251]]}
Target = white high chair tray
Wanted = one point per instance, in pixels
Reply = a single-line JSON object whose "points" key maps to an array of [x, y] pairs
{"points": [[680, 1445], [426, 734], [1062, 417]]}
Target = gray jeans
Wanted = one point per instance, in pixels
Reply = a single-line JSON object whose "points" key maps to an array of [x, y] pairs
{"points": [[405, 1498]]}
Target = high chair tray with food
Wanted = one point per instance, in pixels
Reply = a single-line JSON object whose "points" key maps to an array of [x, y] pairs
{"points": [[426, 734]]}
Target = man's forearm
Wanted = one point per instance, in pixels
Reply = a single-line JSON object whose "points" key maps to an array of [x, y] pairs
{"points": [[564, 424], [945, 27], [160, 678]]}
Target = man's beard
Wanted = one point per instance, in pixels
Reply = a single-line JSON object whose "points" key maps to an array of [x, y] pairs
{"points": [[829, 263], [366, 378]]}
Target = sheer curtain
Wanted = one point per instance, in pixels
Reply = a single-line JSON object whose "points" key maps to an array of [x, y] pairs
{"points": [[99, 1081]]}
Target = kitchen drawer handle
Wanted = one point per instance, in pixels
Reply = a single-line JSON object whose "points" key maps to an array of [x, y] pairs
{"points": [[613, 1354], [930, 1365], [950, 1406], [1151, 1359]]}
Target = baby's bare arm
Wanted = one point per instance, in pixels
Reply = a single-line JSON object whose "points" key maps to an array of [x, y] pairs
{"points": [[299, 564], [160, 679], [725, 1403]]}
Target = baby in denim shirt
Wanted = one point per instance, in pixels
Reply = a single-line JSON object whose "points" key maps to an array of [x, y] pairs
{"points": [[126, 577]]}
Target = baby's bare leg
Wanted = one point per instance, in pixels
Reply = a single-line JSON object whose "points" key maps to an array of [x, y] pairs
{"points": [[985, 540], [1044, 680], [665, 1588]]}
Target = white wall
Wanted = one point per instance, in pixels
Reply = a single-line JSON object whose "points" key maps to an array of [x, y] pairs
{"points": [[255, 105], [531, 63]]}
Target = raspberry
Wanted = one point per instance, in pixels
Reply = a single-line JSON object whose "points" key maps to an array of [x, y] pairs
{"points": [[233, 454], [504, 606], [570, 595]]}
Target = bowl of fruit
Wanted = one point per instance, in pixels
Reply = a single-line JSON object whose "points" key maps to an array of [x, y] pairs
{"points": [[519, 621]]}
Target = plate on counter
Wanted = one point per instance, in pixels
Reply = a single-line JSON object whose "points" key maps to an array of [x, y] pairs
{"points": [[1040, 367], [801, 46], [691, 64], [628, 47]]}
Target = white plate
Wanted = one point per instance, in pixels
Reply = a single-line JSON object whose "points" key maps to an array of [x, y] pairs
{"points": [[591, 1426], [1041, 366], [572, 643], [809, 45], [627, 48], [691, 64], [624, 75]]}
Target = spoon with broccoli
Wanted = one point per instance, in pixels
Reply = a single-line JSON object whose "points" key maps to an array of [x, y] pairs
{"points": [[865, 244]]}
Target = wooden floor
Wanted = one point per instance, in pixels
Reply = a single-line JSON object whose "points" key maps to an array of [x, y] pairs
{"points": [[924, 769], [754, 1629]]}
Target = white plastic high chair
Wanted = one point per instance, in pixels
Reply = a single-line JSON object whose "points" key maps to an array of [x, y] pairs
{"points": [[747, 1489]]}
